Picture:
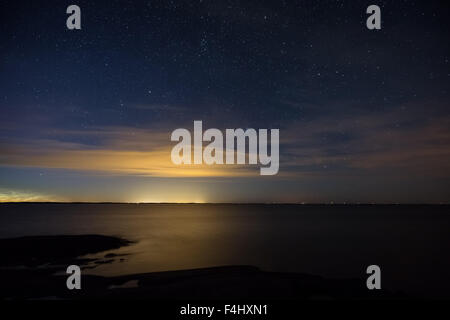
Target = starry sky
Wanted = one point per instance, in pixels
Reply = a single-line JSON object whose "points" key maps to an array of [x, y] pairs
{"points": [[86, 115]]}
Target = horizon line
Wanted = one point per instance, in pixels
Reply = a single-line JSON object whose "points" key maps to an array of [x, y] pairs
{"points": [[227, 203]]}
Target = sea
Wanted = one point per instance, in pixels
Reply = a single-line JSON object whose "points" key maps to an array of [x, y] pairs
{"points": [[410, 243]]}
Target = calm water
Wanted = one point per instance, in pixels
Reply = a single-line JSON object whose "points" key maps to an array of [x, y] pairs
{"points": [[411, 244]]}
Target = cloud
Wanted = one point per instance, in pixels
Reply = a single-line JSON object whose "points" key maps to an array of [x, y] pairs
{"points": [[121, 151], [397, 141], [402, 141], [8, 195]]}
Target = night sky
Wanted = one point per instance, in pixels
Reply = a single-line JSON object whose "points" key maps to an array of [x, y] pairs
{"points": [[86, 115]]}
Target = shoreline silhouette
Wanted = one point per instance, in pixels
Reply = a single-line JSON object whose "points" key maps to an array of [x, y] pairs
{"points": [[223, 251], [33, 268]]}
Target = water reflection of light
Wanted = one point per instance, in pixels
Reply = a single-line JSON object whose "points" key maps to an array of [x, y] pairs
{"points": [[168, 237]]}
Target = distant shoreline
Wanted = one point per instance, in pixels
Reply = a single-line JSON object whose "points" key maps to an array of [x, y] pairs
{"points": [[234, 203]]}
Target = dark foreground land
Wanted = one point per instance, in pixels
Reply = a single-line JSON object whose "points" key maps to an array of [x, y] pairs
{"points": [[34, 268]]}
